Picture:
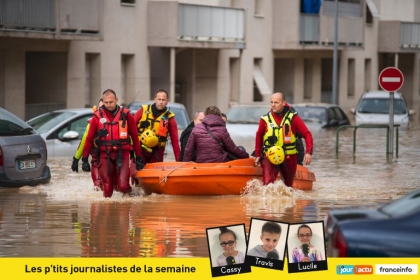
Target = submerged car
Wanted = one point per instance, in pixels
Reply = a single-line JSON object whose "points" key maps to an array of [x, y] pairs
{"points": [[62, 129], [391, 230], [324, 114], [23, 153], [373, 108], [242, 118]]}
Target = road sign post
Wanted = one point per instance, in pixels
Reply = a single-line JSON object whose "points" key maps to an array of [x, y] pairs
{"points": [[391, 79]]}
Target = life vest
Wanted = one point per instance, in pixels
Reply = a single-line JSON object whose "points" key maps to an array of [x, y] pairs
{"points": [[282, 135], [113, 134], [159, 125]]}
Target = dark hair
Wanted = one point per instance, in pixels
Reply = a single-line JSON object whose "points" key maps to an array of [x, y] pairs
{"points": [[110, 91], [271, 227], [224, 230], [164, 91], [212, 110], [304, 226], [101, 100], [224, 115]]}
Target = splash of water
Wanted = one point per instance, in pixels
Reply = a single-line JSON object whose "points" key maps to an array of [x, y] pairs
{"points": [[255, 187], [270, 200]]}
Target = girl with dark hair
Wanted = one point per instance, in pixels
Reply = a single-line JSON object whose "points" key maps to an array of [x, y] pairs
{"points": [[227, 238], [306, 252]]}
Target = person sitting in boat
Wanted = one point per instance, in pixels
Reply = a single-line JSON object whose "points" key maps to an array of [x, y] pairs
{"points": [[94, 162], [161, 121], [198, 118], [275, 142], [211, 140], [116, 134], [227, 239]]}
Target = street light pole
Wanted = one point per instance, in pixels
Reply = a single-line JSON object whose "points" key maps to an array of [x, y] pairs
{"points": [[335, 55]]}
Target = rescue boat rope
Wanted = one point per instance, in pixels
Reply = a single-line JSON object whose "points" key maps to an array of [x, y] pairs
{"points": [[166, 176]]}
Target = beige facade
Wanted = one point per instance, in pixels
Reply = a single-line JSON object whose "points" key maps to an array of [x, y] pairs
{"points": [[216, 52]]}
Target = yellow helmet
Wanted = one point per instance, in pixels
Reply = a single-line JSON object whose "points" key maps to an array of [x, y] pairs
{"points": [[275, 155], [149, 138]]}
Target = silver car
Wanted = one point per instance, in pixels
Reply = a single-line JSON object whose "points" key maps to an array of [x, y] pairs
{"points": [[62, 130], [23, 154], [373, 108]]}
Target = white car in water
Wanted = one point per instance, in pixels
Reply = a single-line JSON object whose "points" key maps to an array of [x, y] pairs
{"points": [[373, 108], [62, 130]]}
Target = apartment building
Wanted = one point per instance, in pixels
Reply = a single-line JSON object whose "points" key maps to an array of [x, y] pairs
{"points": [[65, 53]]}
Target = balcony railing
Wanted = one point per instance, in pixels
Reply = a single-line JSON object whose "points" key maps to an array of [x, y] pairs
{"points": [[77, 17], [319, 28], [344, 9], [24, 14], [309, 28], [210, 23], [410, 35], [396, 36]]}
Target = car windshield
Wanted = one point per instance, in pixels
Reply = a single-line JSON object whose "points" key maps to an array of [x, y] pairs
{"points": [[134, 106], [246, 114], [180, 117], [10, 125], [316, 114], [381, 106], [45, 122], [403, 206]]}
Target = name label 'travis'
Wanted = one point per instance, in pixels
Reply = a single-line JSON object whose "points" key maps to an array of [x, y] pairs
{"points": [[307, 266], [263, 263], [231, 270]]}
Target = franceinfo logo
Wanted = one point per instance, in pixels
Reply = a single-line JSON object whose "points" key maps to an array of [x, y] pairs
{"points": [[354, 269], [408, 269]]}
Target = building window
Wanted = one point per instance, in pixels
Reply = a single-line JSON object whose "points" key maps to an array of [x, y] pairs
{"points": [[351, 72], [128, 2], [258, 8], [307, 85], [368, 74], [369, 16]]}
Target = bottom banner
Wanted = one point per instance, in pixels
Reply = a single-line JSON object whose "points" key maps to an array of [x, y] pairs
{"points": [[193, 268]]}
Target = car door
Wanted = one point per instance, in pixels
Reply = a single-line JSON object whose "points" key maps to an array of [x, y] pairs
{"points": [[332, 118], [341, 116], [58, 146]]}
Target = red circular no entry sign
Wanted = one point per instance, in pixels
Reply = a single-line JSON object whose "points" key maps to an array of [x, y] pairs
{"points": [[391, 79]]}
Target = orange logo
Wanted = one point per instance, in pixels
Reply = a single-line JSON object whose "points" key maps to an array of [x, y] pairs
{"points": [[363, 269]]}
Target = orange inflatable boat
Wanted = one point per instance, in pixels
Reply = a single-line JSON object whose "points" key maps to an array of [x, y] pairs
{"points": [[227, 178]]}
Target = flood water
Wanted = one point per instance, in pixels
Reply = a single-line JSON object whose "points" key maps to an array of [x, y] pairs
{"points": [[67, 218]]}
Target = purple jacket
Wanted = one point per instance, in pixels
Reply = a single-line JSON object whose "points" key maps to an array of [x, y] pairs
{"points": [[208, 149]]}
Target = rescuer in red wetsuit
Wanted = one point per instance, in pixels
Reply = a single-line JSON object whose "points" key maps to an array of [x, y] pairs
{"points": [[113, 126], [279, 128]]}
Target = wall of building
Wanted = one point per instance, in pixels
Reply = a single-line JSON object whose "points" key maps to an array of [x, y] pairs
{"points": [[124, 33], [397, 10], [80, 70]]}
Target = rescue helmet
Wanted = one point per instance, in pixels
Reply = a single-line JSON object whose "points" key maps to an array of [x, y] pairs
{"points": [[149, 138], [275, 155]]}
